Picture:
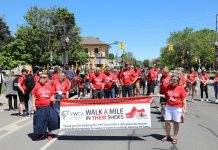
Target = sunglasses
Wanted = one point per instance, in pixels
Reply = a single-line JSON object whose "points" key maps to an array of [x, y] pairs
{"points": [[43, 77]]}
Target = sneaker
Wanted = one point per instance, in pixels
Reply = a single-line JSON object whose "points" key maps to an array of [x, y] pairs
{"points": [[202, 99], [216, 101], [207, 100]]}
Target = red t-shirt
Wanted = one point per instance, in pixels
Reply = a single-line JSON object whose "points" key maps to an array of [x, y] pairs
{"points": [[21, 81], [36, 78], [138, 73], [108, 78], [152, 75], [216, 80], [127, 76], [164, 83], [62, 87], [43, 94], [55, 77], [183, 81], [204, 78], [97, 81], [175, 95], [192, 77]]}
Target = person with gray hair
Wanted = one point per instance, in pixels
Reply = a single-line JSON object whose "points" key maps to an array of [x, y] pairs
{"points": [[10, 91], [175, 105], [97, 84], [110, 81]]}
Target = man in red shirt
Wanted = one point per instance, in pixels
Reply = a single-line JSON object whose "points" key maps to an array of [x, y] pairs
{"points": [[136, 87], [97, 84], [127, 79], [109, 89], [151, 78]]}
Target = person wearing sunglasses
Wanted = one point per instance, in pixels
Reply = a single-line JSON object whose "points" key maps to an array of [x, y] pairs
{"points": [[44, 118], [175, 96]]}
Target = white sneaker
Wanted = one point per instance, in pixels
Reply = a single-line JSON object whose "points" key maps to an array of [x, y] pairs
{"points": [[216, 101], [202, 99], [207, 100]]}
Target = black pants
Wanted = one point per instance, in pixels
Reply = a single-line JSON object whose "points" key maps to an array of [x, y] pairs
{"points": [[204, 88], [0, 88], [10, 101], [151, 86], [24, 98]]}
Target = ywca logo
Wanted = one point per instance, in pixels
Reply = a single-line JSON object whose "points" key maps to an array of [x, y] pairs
{"points": [[138, 113], [64, 114]]}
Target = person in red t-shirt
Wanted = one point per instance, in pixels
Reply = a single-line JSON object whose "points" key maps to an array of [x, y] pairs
{"points": [[192, 83], [110, 81], [45, 117], [175, 105], [127, 79], [151, 79], [164, 83], [136, 85], [23, 94], [204, 78], [97, 84], [216, 86]]}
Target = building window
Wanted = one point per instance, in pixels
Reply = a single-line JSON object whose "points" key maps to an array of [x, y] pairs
{"points": [[96, 50], [86, 50]]}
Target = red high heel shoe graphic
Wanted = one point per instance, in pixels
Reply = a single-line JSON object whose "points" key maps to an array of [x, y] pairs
{"points": [[141, 113], [132, 113]]}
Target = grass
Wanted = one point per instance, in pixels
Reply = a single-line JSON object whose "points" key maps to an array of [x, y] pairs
{"points": [[3, 88]]}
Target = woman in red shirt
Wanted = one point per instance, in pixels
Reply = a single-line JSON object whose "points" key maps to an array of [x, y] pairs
{"points": [[191, 79], [175, 104], [204, 78], [44, 117]]}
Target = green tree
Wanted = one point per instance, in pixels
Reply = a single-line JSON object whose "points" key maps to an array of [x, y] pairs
{"points": [[111, 56], [46, 31], [189, 46]]}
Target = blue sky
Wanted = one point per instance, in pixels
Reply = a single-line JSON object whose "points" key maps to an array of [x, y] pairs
{"points": [[143, 25]]}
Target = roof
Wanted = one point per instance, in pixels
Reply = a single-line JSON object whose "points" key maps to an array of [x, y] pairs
{"points": [[92, 41]]}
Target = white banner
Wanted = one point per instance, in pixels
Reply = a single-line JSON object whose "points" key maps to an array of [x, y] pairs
{"points": [[131, 115]]}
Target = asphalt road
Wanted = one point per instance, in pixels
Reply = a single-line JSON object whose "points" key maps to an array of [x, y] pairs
{"points": [[199, 132]]}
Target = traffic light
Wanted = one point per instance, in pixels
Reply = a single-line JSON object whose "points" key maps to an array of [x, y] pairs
{"points": [[121, 45], [170, 47]]}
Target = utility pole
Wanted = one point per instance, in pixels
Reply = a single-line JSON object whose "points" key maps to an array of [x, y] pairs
{"points": [[216, 44]]}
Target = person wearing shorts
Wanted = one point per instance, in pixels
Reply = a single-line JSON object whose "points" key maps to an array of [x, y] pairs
{"points": [[175, 105]]}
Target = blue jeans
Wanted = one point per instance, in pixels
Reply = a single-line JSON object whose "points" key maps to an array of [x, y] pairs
{"points": [[216, 90], [97, 94], [109, 93], [127, 89]]}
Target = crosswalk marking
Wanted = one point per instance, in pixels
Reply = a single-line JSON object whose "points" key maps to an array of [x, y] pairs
{"points": [[14, 127], [51, 141]]}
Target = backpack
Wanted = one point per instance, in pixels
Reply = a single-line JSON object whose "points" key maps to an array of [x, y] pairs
{"points": [[15, 84], [29, 82]]}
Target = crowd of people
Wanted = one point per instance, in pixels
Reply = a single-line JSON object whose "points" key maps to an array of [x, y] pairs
{"points": [[40, 92]]}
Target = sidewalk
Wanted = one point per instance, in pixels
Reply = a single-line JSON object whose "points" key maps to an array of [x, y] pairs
{"points": [[3, 100]]}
